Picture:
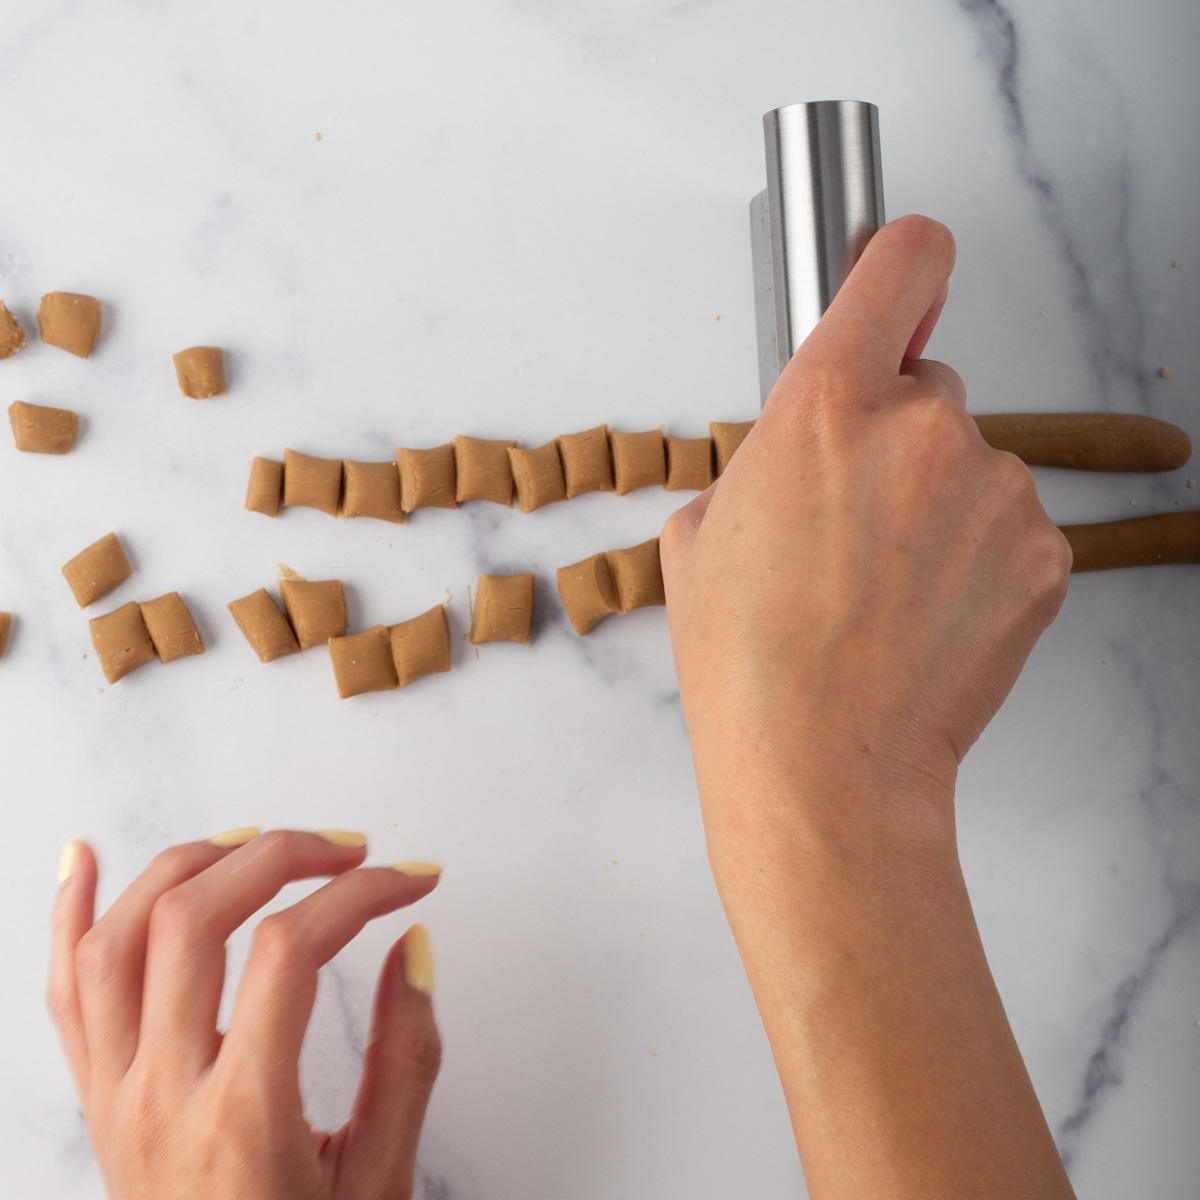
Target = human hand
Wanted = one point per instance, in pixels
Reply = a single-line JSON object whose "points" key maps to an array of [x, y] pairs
{"points": [[176, 1109], [856, 595]]}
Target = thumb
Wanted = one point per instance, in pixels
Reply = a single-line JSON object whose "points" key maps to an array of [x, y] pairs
{"points": [[402, 1059]]}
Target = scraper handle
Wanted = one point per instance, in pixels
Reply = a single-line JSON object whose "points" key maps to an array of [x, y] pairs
{"points": [[1088, 441], [1139, 542]]}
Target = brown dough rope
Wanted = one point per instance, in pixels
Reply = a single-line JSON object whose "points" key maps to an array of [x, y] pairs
{"points": [[604, 460]]}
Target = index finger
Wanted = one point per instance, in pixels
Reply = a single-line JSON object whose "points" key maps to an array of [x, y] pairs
{"points": [[898, 282]]}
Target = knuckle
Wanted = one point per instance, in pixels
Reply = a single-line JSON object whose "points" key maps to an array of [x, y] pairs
{"points": [[419, 1049], [97, 955], [178, 916], [58, 1003], [280, 944]]}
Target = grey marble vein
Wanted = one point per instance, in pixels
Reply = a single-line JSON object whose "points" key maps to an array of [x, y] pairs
{"points": [[1083, 192]]}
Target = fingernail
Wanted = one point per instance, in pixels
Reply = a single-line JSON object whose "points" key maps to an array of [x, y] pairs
{"points": [[68, 860], [418, 960], [235, 837], [342, 837], [417, 868]]}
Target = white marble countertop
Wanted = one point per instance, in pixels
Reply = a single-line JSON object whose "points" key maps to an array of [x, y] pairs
{"points": [[519, 220]]}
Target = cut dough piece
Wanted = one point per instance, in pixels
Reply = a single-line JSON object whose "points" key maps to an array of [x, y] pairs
{"points": [[122, 641], [12, 336], [265, 487], [639, 460], [587, 466], [363, 662], [503, 609], [316, 609], [69, 321], [427, 477], [94, 572], [587, 591], [483, 470], [311, 482], [637, 574], [201, 371], [727, 436], [421, 646], [264, 626], [39, 430], [171, 628], [5, 626], [538, 476], [373, 490], [689, 463]]}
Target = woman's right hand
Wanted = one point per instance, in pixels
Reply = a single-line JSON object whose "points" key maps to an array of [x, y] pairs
{"points": [[175, 1108]]}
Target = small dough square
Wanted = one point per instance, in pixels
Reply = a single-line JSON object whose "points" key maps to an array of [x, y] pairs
{"points": [[122, 641], [421, 646], [315, 608], [264, 626], [483, 470], [373, 490], [639, 460], [689, 463], [39, 430], [311, 482], [503, 609], [538, 476], [637, 574], [171, 628], [587, 591], [69, 321], [363, 662], [12, 336], [427, 478], [5, 626], [727, 436], [94, 572], [587, 464], [201, 371], [265, 488]]}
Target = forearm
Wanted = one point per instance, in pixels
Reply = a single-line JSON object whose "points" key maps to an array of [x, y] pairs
{"points": [[900, 1070]]}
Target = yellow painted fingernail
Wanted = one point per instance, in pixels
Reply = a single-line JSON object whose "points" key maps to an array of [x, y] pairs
{"points": [[235, 837], [68, 860], [417, 868], [418, 960], [343, 837]]}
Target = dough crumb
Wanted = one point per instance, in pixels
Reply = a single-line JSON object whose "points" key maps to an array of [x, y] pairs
{"points": [[1175, 263], [1191, 483], [319, 138], [1164, 372], [12, 336]]}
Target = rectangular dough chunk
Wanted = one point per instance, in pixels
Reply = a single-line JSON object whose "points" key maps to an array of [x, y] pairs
{"points": [[503, 609], [69, 321], [586, 461], [5, 626], [122, 641], [637, 574], [373, 490], [421, 646], [12, 336], [427, 477], [727, 436], [315, 608], [587, 592], [94, 572], [538, 475], [689, 463], [311, 482], [200, 371], [265, 488], [639, 460], [40, 430], [171, 628], [483, 471], [363, 662], [264, 626]]}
